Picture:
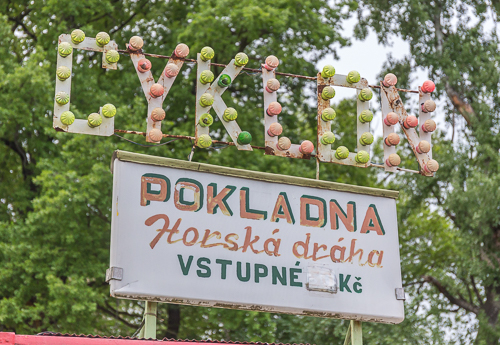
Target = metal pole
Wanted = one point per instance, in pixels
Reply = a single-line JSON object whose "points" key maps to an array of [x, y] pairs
{"points": [[354, 334], [190, 156], [149, 328], [317, 168]]}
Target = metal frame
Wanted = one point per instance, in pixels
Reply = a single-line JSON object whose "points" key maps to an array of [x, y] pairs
{"points": [[200, 90], [391, 101], [249, 174], [388, 150], [74, 339], [422, 117], [354, 334], [81, 126], [232, 127], [148, 329], [325, 152], [272, 142], [147, 80]]}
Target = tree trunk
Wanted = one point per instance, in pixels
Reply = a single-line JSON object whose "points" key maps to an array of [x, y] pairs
{"points": [[174, 320], [489, 329]]}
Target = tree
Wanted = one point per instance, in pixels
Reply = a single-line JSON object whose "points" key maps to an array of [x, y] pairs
{"points": [[56, 187], [456, 42]]}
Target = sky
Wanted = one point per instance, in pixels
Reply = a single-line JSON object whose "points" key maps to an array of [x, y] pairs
{"points": [[367, 57]]}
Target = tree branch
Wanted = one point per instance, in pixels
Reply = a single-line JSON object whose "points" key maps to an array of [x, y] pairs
{"points": [[439, 32], [485, 258], [456, 99], [19, 21], [457, 301], [122, 25], [101, 215], [476, 291], [440, 203], [414, 283], [120, 312], [98, 17], [19, 150], [469, 293], [460, 104], [492, 306], [111, 313]]}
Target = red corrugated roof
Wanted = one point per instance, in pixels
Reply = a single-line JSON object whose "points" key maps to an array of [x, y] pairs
{"points": [[52, 338]]}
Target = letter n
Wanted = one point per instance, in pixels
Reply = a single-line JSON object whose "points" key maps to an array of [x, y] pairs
{"points": [[349, 219]]}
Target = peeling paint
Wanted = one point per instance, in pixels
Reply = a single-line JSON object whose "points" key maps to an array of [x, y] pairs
{"points": [[396, 104]]}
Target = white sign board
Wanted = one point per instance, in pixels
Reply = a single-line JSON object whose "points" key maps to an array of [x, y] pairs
{"points": [[198, 234]]}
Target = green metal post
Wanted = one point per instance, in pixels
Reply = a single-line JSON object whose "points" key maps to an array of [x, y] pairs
{"points": [[354, 334], [149, 328]]}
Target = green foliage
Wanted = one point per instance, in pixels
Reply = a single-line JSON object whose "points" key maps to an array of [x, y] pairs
{"points": [[224, 324], [452, 222], [55, 188]]}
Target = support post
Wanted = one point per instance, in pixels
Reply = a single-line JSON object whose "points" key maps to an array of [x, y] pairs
{"points": [[354, 334], [149, 328]]}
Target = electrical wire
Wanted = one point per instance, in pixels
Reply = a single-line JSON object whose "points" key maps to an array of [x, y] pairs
{"points": [[221, 147], [139, 329], [192, 62], [145, 145], [250, 74]]}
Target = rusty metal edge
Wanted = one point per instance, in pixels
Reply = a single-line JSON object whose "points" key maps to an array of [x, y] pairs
{"points": [[254, 175], [165, 339]]}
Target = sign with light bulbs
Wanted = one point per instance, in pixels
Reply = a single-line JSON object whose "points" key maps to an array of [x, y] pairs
{"points": [[208, 96]]}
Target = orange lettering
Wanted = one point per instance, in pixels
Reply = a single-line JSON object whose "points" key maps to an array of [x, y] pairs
{"points": [[336, 248], [282, 210], [315, 251], [305, 213], [349, 219], [229, 241], [218, 201], [179, 201], [354, 253], [195, 237], [208, 236], [151, 220], [147, 194], [379, 261], [304, 245], [245, 210], [372, 221], [249, 242]]}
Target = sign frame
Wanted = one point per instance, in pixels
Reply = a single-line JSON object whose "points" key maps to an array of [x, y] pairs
{"points": [[117, 273]]}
